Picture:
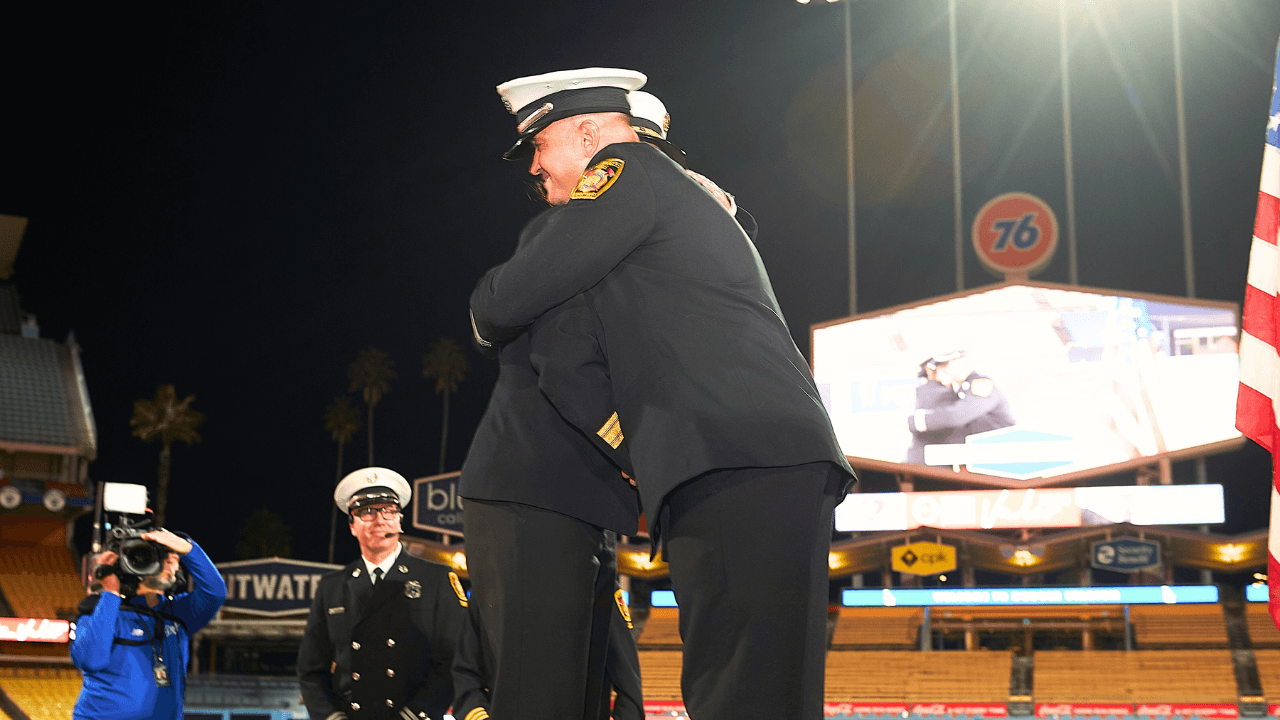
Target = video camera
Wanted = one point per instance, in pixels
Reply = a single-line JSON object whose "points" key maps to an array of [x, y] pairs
{"points": [[135, 556]]}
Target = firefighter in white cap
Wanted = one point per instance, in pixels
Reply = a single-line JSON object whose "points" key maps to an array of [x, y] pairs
{"points": [[725, 429], [381, 635]]}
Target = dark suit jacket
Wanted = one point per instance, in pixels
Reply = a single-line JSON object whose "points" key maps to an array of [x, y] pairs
{"points": [[396, 637], [703, 368]]}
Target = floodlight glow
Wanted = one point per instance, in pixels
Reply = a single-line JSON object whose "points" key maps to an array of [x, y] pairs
{"points": [[1124, 595]]}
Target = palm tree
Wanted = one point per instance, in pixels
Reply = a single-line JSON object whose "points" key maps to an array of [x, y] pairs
{"points": [[169, 420], [447, 365], [371, 374], [341, 420]]}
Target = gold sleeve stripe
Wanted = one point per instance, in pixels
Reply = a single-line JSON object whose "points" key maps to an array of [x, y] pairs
{"points": [[611, 432], [477, 713], [457, 588]]}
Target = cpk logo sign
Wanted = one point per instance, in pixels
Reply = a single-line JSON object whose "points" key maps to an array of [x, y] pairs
{"points": [[35, 630]]}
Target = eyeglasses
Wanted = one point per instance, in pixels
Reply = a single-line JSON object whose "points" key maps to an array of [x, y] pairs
{"points": [[388, 512]]}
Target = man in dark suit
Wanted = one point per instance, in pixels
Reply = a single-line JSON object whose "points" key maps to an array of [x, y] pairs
{"points": [[726, 432], [381, 634]]}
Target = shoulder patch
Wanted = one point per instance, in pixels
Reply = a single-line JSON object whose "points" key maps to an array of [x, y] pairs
{"points": [[622, 606], [597, 179], [982, 387], [457, 588]]}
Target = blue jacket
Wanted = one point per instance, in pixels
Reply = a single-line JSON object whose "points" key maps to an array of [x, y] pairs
{"points": [[119, 683]]}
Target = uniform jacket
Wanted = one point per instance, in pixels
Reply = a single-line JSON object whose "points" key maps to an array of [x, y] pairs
{"points": [[524, 451], [704, 370], [573, 372], [384, 650], [930, 396], [115, 648], [949, 415]]}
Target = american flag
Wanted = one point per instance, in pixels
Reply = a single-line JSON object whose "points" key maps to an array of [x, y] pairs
{"points": [[1256, 407]]}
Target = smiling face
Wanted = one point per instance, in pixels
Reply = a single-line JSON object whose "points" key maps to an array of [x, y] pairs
{"points": [[559, 158], [562, 150], [371, 525]]}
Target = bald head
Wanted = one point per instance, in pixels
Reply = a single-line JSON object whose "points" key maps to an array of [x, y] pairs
{"points": [[563, 149]]}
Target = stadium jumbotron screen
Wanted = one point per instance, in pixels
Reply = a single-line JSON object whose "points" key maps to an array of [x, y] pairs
{"points": [[1026, 385]]}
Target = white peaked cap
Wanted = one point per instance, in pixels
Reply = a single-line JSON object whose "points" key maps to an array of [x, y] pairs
{"points": [[369, 485], [647, 107]]}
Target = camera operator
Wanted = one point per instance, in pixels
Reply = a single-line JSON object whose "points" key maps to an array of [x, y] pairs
{"points": [[133, 634]]}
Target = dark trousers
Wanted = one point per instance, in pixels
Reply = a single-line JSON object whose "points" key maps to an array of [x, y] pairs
{"points": [[543, 584], [748, 552]]}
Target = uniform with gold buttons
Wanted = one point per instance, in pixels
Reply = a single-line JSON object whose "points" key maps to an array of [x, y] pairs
{"points": [[381, 649]]}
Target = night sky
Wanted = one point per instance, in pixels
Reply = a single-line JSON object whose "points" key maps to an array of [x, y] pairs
{"points": [[237, 198]]}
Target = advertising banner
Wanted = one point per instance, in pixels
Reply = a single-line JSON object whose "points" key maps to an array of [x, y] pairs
{"points": [[436, 504], [1054, 710], [1124, 555], [991, 710], [1122, 595], [35, 630], [1023, 383], [1032, 508], [272, 587], [924, 558], [1187, 710], [862, 708]]}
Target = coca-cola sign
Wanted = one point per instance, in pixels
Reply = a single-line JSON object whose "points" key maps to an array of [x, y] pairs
{"points": [[1187, 710], [1052, 710], [991, 710], [857, 709], [35, 630]]}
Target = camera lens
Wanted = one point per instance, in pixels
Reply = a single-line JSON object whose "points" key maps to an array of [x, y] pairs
{"points": [[139, 557]]}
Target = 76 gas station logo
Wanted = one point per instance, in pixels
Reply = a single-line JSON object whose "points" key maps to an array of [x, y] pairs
{"points": [[1015, 234]]}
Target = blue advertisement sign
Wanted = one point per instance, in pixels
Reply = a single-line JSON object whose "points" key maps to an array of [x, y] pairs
{"points": [[1124, 555], [272, 587], [1125, 595], [1256, 592], [436, 504]]}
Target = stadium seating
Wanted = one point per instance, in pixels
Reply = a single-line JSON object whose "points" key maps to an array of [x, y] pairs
{"points": [[661, 630], [1141, 676], [1183, 626], [876, 628], [1269, 672], [660, 670], [40, 581], [42, 693], [1262, 631], [908, 676]]}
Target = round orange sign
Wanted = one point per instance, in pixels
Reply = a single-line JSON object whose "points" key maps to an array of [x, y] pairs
{"points": [[1015, 234]]}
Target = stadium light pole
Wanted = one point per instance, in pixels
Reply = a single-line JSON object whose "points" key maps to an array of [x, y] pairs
{"points": [[955, 145], [1073, 275], [851, 203], [1184, 171]]}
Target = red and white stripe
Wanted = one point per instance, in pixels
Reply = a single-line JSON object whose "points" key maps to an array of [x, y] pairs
{"points": [[1259, 398]]}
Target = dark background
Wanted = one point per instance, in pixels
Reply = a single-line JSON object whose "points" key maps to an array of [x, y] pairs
{"points": [[239, 198]]}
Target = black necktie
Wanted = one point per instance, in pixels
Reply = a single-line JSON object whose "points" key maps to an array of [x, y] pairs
{"points": [[377, 575]]}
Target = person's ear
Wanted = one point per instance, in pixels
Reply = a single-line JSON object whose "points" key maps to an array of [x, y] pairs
{"points": [[589, 132]]}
